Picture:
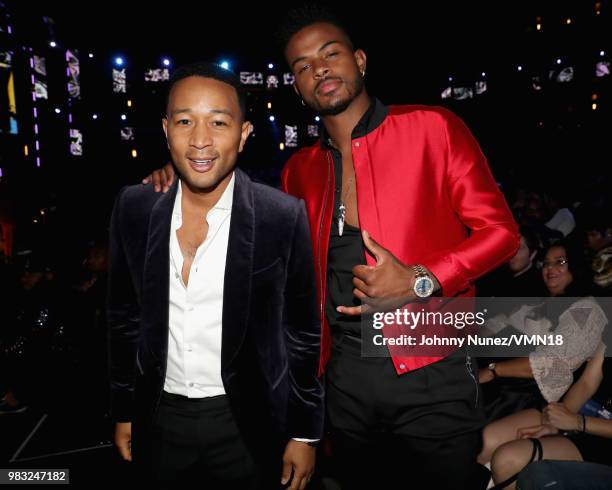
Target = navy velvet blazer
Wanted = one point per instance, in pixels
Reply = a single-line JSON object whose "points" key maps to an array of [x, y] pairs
{"points": [[270, 332]]}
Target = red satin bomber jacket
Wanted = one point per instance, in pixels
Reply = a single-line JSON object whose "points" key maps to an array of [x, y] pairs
{"points": [[424, 191]]}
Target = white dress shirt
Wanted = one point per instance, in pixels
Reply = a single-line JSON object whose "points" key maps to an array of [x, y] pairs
{"points": [[196, 309]]}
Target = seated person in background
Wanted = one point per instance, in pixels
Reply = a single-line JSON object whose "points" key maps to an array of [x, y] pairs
{"points": [[519, 277], [550, 366], [524, 279], [599, 241], [602, 270], [563, 431]]}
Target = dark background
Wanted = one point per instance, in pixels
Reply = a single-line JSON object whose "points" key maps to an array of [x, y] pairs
{"points": [[548, 138], [547, 141]]}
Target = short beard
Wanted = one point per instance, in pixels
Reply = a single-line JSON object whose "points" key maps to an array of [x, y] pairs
{"points": [[342, 105]]}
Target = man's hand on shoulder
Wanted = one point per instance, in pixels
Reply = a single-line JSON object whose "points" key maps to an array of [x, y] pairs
{"points": [[161, 178]]}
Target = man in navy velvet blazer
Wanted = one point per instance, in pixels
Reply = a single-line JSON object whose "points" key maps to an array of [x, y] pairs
{"points": [[213, 327]]}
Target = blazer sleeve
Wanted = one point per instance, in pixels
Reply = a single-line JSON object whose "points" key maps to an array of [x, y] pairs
{"points": [[480, 206], [302, 329], [123, 312]]}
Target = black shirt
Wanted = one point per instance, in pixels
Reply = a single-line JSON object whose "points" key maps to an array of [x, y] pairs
{"points": [[346, 251]]}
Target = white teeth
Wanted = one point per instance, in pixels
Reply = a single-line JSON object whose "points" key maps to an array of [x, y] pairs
{"points": [[202, 161]]}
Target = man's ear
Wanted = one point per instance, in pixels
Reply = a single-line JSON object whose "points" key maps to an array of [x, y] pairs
{"points": [[362, 61], [247, 129], [165, 128]]}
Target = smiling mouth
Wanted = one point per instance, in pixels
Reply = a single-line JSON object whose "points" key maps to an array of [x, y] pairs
{"points": [[201, 161], [201, 164]]}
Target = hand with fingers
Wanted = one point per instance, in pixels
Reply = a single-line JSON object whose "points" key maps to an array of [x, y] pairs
{"points": [[557, 415], [123, 439], [161, 178], [383, 287], [299, 461], [536, 431]]}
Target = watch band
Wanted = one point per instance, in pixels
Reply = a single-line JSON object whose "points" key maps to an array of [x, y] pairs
{"points": [[419, 270]]}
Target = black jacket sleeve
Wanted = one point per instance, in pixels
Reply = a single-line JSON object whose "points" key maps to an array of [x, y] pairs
{"points": [[123, 313], [303, 336]]}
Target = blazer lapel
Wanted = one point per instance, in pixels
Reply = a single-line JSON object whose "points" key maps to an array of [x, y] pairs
{"points": [[156, 280], [238, 269]]}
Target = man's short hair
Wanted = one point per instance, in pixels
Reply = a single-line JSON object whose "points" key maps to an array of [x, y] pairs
{"points": [[303, 16], [209, 70]]}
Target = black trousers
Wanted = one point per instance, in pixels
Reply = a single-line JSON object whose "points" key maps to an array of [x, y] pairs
{"points": [[196, 441], [418, 430]]}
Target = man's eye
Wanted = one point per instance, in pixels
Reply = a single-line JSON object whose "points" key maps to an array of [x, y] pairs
{"points": [[183, 121], [219, 123], [304, 68], [329, 55]]}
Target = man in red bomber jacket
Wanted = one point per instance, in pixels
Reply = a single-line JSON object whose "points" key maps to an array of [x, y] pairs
{"points": [[409, 185], [397, 198]]}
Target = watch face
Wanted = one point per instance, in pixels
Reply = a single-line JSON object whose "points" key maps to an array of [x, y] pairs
{"points": [[423, 287]]}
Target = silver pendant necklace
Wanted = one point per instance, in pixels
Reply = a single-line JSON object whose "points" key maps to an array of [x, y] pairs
{"points": [[342, 207]]}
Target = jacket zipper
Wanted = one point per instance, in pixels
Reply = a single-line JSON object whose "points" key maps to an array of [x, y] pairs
{"points": [[322, 301]]}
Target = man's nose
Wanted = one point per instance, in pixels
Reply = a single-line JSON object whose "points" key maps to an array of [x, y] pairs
{"points": [[200, 136]]}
